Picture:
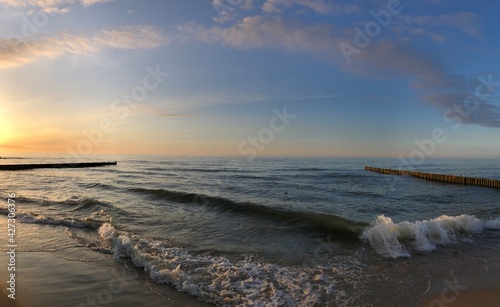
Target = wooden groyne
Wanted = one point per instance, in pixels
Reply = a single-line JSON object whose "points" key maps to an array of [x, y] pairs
{"points": [[16, 167], [492, 183]]}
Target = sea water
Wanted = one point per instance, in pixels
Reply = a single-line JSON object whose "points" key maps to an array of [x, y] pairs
{"points": [[278, 231]]}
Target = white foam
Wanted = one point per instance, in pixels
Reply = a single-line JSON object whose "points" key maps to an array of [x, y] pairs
{"points": [[493, 224], [27, 217], [387, 238], [383, 237], [106, 231], [220, 281]]}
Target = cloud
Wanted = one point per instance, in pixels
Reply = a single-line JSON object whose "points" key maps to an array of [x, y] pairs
{"points": [[132, 37], [228, 10], [318, 6], [240, 4], [15, 52], [319, 40], [13, 3], [160, 113], [382, 58], [466, 108], [393, 57], [266, 32], [92, 2], [465, 21], [49, 3], [48, 6]]}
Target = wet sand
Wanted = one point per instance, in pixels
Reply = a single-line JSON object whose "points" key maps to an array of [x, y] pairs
{"points": [[467, 289], [5, 301], [43, 279], [483, 298]]}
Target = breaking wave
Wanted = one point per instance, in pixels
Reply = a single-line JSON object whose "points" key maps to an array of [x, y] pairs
{"points": [[395, 240], [218, 280]]}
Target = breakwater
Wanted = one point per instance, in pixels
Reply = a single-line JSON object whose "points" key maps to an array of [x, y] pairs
{"points": [[485, 182], [16, 167]]}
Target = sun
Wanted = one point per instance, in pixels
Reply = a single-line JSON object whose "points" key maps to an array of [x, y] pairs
{"points": [[6, 130]]}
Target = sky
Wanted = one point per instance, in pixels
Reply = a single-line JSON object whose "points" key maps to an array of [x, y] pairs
{"points": [[251, 78]]}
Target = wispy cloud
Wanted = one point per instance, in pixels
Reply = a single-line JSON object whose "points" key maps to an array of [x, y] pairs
{"points": [[131, 37], [267, 32], [13, 3], [319, 40], [20, 52], [456, 101], [463, 21], [49, 3], [230, 10], [92, 2], [160, 113], [318, 6], [47, 6], [17, 53], [233, 10], [317, 97]]}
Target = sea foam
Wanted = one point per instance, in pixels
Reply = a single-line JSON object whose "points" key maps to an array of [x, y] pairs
{"points": [[394, 240], [218, 280], [32, 218], [27, 217]]}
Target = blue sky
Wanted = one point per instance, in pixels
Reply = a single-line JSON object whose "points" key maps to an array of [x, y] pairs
{"points": [[361, 78]]}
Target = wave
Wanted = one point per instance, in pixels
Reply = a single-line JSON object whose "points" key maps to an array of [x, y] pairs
{"points": [[78, 204], [91, 185], [201, 170], [344, 175], [25, 200], [336, 226], [260, 178], [217, 280], [393, 240], [308, 169], [93, 222], [362, 193]]}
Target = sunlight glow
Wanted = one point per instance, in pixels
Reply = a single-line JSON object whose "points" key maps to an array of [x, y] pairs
{"points": [[6, 131]]}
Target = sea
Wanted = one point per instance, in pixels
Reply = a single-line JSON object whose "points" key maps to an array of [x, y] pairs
{"points": [[260, 232]]}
